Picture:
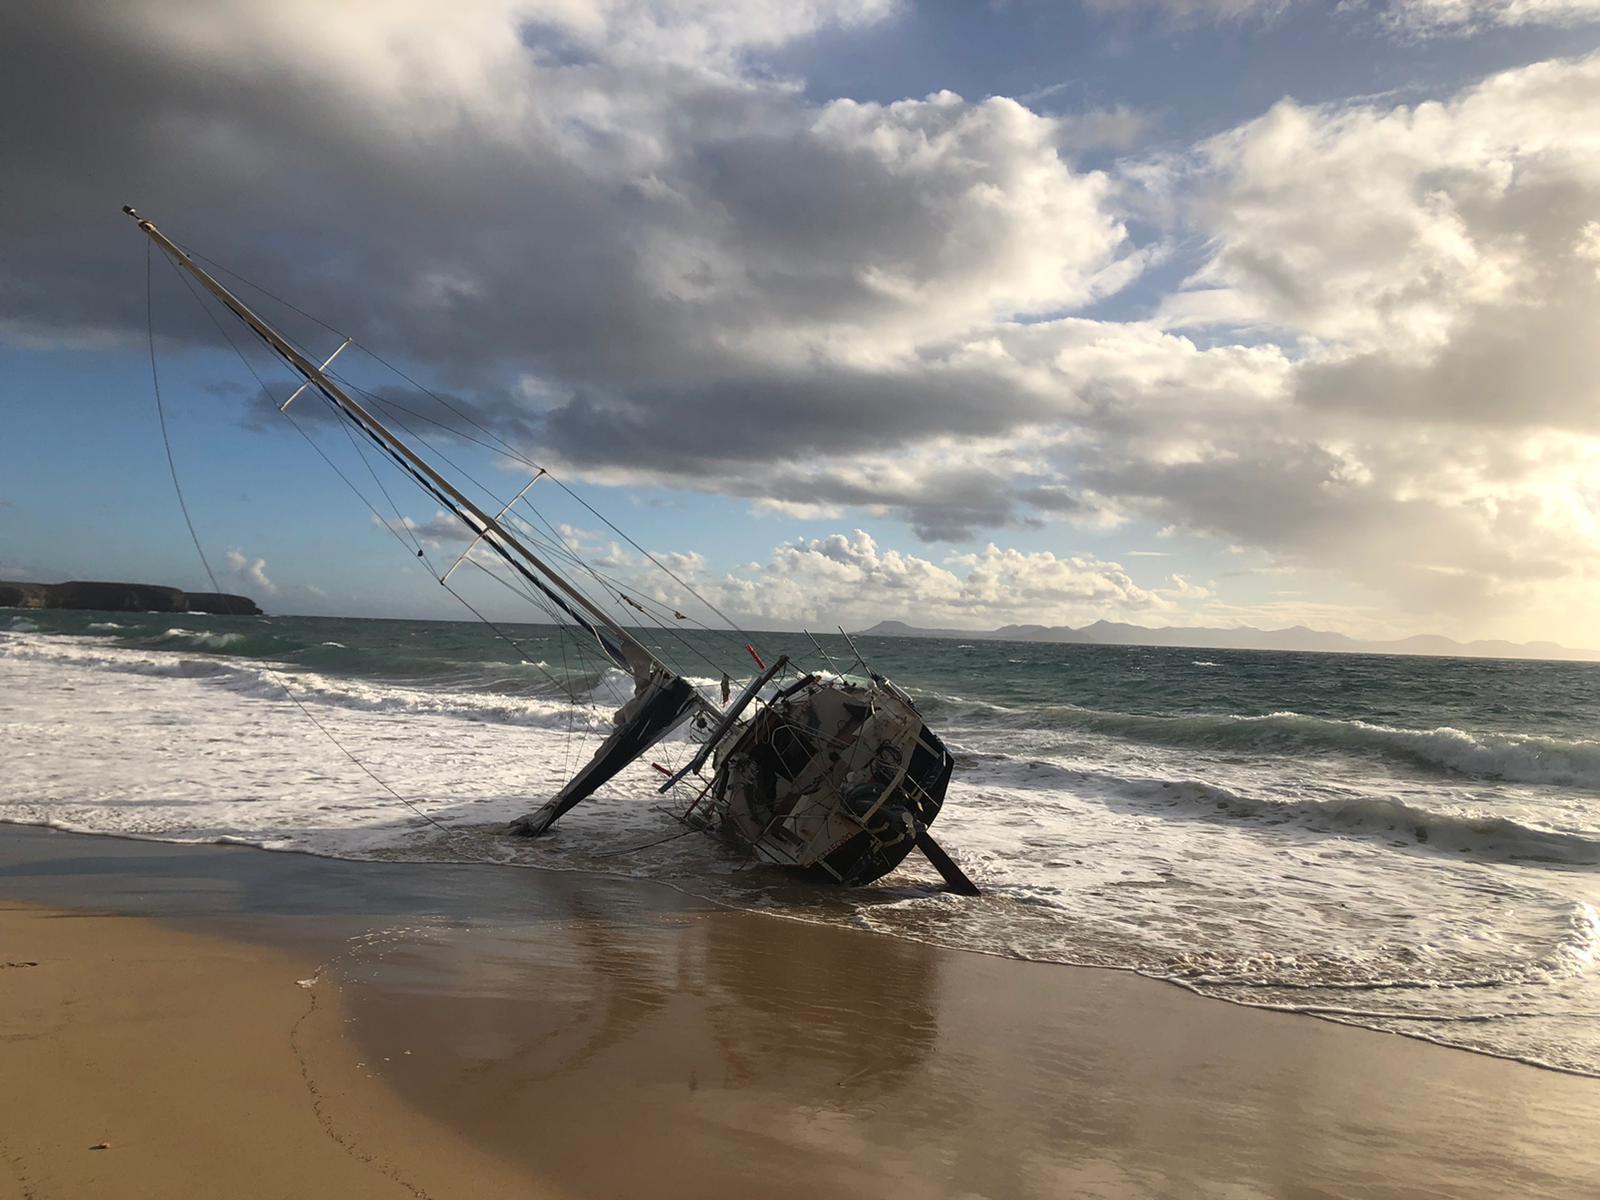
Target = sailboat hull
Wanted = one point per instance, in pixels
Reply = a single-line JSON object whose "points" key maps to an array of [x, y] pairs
{"points": [[873, 853], [838, 776], [834, 777]]}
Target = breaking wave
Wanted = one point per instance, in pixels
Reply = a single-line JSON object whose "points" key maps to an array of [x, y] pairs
{"points": [[201, 638], [1512, 758], [268, 681], [1485, 837], [1330, 864], [1491, 838]]}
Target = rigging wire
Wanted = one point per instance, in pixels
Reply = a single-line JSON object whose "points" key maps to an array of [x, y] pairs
{"points": [[454, 508], [183, 505], [556, 543], [399, 519], [563, 686], [506, 448], [615, 592], [499, 443], [671, 837], [558, 547], [279, 299], [564, 631]]}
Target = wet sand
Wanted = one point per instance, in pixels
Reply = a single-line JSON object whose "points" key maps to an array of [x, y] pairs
{"points": [[537, 1033], [140, 1060]]}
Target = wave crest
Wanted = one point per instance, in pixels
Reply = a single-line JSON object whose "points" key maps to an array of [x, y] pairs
{"points": [[1494, 838], [201, 638], [1486, 837], [250, 678], [1507, 757]]}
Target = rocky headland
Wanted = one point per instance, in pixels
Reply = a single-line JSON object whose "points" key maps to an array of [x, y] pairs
{"points": [[123, 597]]}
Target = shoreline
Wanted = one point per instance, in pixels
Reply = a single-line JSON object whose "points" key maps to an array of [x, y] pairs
{"points": [[1332, 1018], [532, 1023], [1178, 854], [144, 1060]]}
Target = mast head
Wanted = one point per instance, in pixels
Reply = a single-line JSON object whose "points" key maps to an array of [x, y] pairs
{"points": [[132, 212]]}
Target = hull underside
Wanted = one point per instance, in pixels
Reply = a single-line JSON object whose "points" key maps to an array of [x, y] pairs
{"points": [[835, 777]]}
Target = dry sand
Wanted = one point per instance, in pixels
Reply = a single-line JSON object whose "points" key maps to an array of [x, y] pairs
{"points": [[528, 1033]]}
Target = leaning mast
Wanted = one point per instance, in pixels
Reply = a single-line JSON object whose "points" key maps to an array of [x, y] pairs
{"points": [[632, 654], [834, 775]]}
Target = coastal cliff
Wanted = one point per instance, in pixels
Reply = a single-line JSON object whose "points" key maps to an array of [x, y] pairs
{"points": [[123, 597]]}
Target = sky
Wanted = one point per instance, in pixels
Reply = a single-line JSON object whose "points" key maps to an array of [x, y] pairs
{"points": [[1178, 312]]}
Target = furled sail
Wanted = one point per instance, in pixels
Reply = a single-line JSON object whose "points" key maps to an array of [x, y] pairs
{"points": [[661, 701]]}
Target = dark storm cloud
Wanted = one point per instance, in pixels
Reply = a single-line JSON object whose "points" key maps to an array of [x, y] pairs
{"points": [[699, 431], [628, 248], [692, 265]]}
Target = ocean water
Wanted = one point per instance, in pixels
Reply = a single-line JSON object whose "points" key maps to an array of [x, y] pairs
{"points": [[1409, 844]]}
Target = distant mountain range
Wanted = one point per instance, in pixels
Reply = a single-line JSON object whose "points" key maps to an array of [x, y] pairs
{"points": [[1298, 637]]}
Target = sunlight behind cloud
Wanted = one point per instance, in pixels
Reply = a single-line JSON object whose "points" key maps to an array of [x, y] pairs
{"points": [[1329, 334]]}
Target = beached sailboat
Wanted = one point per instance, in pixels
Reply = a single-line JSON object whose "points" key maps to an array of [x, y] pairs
{"points": [[823, 770]]}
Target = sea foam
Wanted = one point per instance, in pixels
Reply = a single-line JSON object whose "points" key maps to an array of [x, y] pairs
{"points": [[1521, 758], [1430, 881]]}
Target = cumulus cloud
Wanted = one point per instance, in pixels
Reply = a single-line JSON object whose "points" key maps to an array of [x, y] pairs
{"points": [[646, 259], [659, 241], [852, 578], [849, 577], [1407, 17], [1428, 264], [1470, 16], [1388, 227], [590, 192], [249, 571]]}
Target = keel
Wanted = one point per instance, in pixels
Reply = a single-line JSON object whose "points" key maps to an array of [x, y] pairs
{"points": [[954, 877]]}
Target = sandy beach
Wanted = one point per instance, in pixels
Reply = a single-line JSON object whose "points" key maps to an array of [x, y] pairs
{"points": [[482, 1031], [843, 600], [142, 1060]]}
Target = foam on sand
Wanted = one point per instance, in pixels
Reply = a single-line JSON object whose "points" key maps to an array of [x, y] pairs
{"points": [[1255, 875]]}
